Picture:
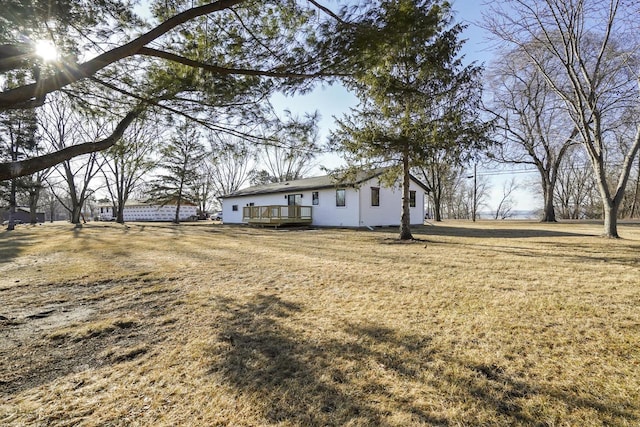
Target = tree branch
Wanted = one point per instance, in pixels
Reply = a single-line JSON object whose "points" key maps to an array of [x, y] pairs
{"points": [[27, 167], [220, 70], [70, 74], [327, 11]]}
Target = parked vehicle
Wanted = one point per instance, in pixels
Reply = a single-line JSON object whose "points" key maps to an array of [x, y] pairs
{"points": [[15, 221]]}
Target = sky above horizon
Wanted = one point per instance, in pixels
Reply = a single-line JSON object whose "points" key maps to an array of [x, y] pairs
{"points": [[334, 101]]}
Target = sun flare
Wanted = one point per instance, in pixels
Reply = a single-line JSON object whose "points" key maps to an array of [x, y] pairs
{"points": [[46, 50]]}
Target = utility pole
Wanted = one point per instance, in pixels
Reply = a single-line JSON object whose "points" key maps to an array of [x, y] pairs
{"points": [[475, 191]]}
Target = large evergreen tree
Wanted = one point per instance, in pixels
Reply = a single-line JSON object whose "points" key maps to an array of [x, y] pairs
{"points": [[415, 94], [180, 161]]}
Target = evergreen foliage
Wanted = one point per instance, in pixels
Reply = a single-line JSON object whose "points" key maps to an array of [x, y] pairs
{"points": [[416, 97]]}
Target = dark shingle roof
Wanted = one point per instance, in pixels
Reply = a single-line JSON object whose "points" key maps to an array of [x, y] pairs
{"points": [[319, 182]]}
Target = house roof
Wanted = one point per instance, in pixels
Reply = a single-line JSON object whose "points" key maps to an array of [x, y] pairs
{"points": [[315, 183], [133, 203], [27, 210]]}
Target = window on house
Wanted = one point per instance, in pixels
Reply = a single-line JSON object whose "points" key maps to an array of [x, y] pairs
{"points": [[341, 197], [294, 199], [234, 208], [315, 198], [412, 199], [375, 196]]}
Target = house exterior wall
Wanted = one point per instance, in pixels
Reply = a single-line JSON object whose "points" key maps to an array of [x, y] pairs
{"points": [[357, 211], [326, 213], [149, 213], [231, 216], [390, 205], [22, 214]]}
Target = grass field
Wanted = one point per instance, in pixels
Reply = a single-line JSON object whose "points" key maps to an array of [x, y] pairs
{"points": [[493, 323]]}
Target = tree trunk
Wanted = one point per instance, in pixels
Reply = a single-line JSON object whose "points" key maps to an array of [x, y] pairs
{"points": [[120, 212], [636, 193], [437, 200], [437, 208], [12, 206], [52, 210], [34, 196], [405, 219], [549, 213], [177, 219], [75, 215], [610, 210]]}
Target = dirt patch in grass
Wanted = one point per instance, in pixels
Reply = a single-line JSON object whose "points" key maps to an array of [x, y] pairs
{"points": [[71, 327], [493, 323]]}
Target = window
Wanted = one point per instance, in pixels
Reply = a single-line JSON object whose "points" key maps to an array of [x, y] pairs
{"points": [[340, 197], [315, 198], [375, 196], [294, 199], [234, 208], [412, 199]]}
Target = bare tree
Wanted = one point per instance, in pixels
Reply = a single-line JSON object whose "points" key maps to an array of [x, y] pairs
{"points": [[34, 185], [62, 128], [576, 189], [126, 164], [462, 195], [289, 154], [439, 173], [532, 124], [504, 209], [231, 164], [49, 202], [595, 49]]}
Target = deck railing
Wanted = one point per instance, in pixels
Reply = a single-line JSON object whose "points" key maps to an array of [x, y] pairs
{"points": [[277, 214]]}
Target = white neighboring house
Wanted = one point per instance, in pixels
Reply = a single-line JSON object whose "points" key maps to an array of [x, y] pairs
{"points": [[324, 202], [135, 210]]}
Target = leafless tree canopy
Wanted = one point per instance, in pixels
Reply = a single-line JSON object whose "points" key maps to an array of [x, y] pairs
{"points": [[588, 52]]}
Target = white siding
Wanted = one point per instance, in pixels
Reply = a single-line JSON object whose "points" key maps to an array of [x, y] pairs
{"points": [[326, 213], [150, 213], [390, 208], [229, 216], [357, 211]]}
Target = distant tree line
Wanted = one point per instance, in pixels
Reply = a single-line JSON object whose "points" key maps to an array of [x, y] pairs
{"points": [[178, 107]]}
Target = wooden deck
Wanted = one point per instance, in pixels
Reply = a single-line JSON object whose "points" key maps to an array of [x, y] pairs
{"points": [[276, 215]]}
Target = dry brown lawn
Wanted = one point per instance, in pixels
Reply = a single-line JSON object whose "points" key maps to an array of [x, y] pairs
{"points": [[494, 323]]}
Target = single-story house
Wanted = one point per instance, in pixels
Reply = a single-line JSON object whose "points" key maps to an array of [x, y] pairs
{"points": [[325, 201], [136, 210], [23, 215]]}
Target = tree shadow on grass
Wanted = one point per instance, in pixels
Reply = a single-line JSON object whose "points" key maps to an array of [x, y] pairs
{"points": [[56, 339], [266, 360], [496, 233], [371, 375], [11, 246]]}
